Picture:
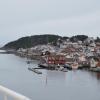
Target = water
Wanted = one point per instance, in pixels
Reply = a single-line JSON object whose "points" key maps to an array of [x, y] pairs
{"points": [[51, 85]]}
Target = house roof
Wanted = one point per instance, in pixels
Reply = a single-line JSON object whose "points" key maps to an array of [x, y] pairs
{"points": [[98, 64]]}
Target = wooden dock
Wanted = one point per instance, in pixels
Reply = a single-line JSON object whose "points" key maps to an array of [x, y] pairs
{"points": [[35, 70]]}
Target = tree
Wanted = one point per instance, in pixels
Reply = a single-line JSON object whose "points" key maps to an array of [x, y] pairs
{"points": [[97, 39]]}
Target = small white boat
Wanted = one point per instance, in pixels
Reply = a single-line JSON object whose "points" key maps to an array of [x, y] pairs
{"points": [[75, 65]]}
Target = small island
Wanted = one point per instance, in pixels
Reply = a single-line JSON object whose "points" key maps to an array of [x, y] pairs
{"points": [[57, 52]]}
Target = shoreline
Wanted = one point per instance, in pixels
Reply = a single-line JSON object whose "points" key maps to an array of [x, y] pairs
{"points": [[38, 57]]}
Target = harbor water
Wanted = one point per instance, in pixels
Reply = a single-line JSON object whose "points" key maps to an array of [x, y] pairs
{"points": [[50, 85]]}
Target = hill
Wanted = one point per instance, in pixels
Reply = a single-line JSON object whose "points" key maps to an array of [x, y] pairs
{"points": [[30, 41]]}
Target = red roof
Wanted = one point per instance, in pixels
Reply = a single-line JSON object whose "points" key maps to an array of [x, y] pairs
{"points": [[57, 59]]}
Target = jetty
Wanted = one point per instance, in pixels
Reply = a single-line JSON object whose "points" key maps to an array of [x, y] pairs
{"points": [[35, 70], [97, 69], [7, 52]]}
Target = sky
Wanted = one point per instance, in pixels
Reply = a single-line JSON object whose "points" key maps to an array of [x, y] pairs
{"points": [[20, 18]]}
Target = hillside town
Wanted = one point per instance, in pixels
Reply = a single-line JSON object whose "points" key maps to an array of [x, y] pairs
{"points": [[72, 55]]}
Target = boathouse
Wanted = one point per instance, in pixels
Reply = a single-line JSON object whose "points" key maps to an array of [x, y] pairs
{"points": [[56, 59]]}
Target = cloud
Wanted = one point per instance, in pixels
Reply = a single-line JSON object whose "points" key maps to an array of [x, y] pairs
{"points": [[63, 17], [76, 25]]}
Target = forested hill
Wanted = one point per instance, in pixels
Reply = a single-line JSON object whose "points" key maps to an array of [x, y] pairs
{"points": [[30, 41]]}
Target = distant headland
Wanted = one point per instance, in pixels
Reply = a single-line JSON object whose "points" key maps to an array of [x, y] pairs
{"points": [[31, 41]]}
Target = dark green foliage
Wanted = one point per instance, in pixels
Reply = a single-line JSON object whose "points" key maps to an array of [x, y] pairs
{"points": [[27, 42], [24, 42], [97, 39], [65, 38], [78, 38], [30, 41]]}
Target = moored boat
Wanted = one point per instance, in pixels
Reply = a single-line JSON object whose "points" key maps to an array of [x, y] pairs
{"points": [[75, 65]]}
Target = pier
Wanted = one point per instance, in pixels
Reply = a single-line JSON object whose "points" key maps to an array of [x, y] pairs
{"points": [[7, 52], [35, 70]]}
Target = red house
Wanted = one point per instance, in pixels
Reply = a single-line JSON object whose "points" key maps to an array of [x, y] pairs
{"points": [[56, 59]]}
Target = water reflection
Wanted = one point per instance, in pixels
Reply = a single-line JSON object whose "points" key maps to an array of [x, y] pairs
{"points": [[95, 75], [51, 85], [98, 76], [56, 75]]}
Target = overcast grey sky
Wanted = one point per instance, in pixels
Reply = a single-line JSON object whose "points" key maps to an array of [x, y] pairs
{"points": [[63, 17]]}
